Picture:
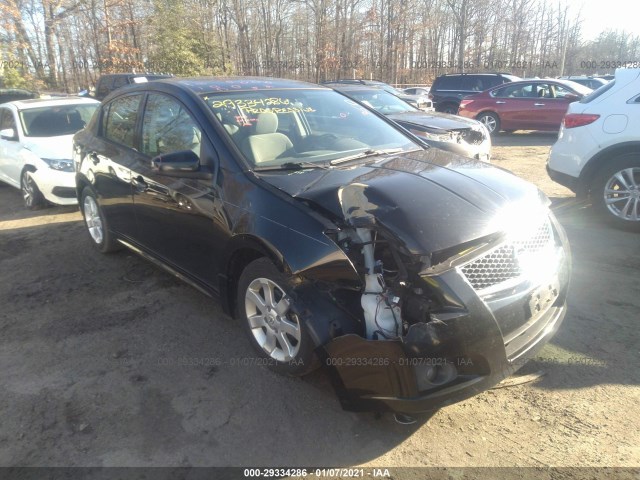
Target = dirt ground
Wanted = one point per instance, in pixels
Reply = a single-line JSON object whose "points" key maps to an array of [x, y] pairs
{"points": [[107, 361]]}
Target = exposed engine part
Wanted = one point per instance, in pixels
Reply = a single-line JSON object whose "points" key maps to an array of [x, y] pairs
{"points": [[382, 314]]}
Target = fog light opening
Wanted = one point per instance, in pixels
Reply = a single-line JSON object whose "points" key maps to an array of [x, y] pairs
{"points": [[431, 376]]}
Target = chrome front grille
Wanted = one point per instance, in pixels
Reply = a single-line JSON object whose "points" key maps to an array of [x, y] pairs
{"points": [[505, 262]]}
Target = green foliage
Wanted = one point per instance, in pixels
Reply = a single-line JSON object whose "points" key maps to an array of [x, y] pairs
{"points": [[12, 74], [176, 49]]}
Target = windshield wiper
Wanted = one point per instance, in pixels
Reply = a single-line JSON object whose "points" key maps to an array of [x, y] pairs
{"points": [[291, 166], [367, 153]]}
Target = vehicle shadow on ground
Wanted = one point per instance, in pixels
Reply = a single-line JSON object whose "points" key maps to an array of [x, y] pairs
{"points": [[15, 210], [597, 343], [109, 361], [524, 138]]}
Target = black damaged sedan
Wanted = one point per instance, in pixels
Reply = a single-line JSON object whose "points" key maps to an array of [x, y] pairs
{"points": [[416, 277]]}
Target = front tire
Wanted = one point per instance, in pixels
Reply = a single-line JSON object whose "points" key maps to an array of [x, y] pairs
{"points": [[270, 319], [96, 222], [615, 192], [491, 121], [31, 194]]}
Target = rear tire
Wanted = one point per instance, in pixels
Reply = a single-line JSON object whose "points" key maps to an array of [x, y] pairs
{"points": [[615, 192], [96, 222], [449, 108], [269, 317], [491, 121]]}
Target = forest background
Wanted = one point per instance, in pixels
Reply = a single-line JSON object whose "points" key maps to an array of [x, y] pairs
{"points": [[64, 45]]}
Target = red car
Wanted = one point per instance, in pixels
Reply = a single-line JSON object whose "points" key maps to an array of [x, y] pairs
{"points": [[525, 105]]}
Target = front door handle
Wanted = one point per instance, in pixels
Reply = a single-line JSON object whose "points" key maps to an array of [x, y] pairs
{"points": [[538, 104], [139, 184], [499, 102]]}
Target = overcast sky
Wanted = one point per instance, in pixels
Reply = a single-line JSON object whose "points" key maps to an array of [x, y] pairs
{"points": [[599, 15]]}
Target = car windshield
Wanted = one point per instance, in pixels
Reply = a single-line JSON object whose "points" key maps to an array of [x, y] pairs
{"points": [[303, 127], [53, 121], [381, 101]]}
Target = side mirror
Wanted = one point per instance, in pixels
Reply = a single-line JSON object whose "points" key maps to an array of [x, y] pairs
{"points": [[572, 97], [8, 134], [184, 164]]}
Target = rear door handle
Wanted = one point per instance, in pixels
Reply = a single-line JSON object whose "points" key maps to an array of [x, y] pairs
{"points": [[499, 102], [139, 184], [538, 104]]}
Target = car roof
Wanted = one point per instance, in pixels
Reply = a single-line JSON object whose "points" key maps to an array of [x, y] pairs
{"points": [[561, 81], [51, 102], [199, 85], [148, 74]]}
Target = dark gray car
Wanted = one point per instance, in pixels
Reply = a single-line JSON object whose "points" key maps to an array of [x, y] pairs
{"points": [[464, 136]]}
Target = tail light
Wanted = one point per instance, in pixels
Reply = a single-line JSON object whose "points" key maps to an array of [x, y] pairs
{"points": [[572, 120], [464, 103]]}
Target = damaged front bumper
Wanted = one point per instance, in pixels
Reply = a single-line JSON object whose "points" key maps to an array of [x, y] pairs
{"points": [[457, 353]]}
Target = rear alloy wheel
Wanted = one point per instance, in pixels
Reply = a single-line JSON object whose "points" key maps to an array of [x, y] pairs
{"points": [[491, 121], [96, 222], [269, 316], [33, 198], [615, 192]]}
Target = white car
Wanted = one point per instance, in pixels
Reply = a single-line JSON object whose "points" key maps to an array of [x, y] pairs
{"points": [[598, 149], [36, 146]]}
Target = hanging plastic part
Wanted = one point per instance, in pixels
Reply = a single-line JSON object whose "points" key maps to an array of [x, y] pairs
{"points": [[381, 311]]}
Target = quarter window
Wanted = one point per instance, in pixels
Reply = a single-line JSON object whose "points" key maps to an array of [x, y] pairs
{"points": [[168, 127], [120, 121]]}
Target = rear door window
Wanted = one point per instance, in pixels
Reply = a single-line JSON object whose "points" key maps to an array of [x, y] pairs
{"points": [[476, 83], [450, 83]]}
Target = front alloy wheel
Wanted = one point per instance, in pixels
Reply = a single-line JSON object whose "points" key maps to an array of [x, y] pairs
{"points": [[270, 318], [274, 327], [96, 223], [33, 198], [93, 219]]}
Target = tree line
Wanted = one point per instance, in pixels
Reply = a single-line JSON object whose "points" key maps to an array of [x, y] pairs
{"points": [[65, 45]]}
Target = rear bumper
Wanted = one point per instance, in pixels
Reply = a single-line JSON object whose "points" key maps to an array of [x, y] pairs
{"points": [[563, 179]]}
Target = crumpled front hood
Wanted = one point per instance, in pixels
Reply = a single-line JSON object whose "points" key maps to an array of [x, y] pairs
{"points": [[431, 200], [59, 147], [434, 120]]}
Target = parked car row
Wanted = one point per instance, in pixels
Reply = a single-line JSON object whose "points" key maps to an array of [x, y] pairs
{"points": [[24, 151]]}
